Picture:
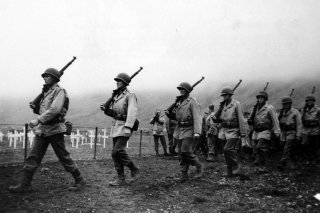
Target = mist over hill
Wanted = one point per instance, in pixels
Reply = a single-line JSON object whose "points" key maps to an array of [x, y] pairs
{"points": [[84, 110]]}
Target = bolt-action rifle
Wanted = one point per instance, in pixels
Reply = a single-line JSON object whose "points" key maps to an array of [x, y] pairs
{"points": [[35, 104], [254, 110], [170, 110], [291, 93], [219, 111]]}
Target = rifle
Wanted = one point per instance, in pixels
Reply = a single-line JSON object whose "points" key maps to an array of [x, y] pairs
{"points": [[291, 93], [170, 109], [313, 90], [219, 111], [35, 104], [104, 107], [254, 110]]}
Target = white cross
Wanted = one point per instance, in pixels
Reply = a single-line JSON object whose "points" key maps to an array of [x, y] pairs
{"points": [[31, 136], [104, 136], [1, 136]]}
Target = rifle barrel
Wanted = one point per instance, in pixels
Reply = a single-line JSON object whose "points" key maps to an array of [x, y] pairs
{"points": [[136, 73], [195, 84], [237, 85]]}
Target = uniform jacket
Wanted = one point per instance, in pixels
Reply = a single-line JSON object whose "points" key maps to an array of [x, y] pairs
{"points": [[189, 111], [267, 117], [290, 124], [125, 104], [313, 116], [50, 106], [233, 114], [212, 127], [158, 126]]}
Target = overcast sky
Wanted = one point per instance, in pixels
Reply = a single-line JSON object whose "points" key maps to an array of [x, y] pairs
{"points": [[223, 40]]}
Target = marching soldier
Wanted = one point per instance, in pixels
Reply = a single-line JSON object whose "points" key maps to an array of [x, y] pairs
{"points": [[189, 118], [49, 128], [170, 126], [157, 129], [311, 129], [212, 136], [123, 108], [291, 126], [264, 121], [232, 123]]}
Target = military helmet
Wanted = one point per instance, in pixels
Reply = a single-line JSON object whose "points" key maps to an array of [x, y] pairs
{"points": [[227, 91], [124, 77], [286, 100], [52, 72], [263, 94], [186, 86], [310, 97]]}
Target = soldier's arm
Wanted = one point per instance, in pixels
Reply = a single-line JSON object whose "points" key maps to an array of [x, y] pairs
{"points": [[298, 124], [132, 111], [54, 109], [241, 119], [275, 120], [197, 118]]}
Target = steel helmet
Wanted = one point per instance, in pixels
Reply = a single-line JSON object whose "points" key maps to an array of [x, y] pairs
{"points": [[227, 91], [186, 86], [263, 94], [310, 97], [52, 72], [124, 77], [286, 100]]}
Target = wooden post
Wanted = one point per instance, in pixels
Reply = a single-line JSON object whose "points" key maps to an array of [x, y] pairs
{"points": [[95, 143], [140, 142], [25, 142]]}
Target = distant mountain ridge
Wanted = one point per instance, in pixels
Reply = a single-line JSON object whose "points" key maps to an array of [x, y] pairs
{"points": [[84, 110]]}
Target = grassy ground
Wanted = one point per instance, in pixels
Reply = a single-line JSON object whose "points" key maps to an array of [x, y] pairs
{"points": [[159, 191]]}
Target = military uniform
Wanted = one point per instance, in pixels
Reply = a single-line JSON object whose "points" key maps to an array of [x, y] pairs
{"points": [[311, 132], [124, 110], [212, 137], [189, 120], [232, 123], [50, 130], [291, 126], [265, 122], [170, 126], [158, 133]]}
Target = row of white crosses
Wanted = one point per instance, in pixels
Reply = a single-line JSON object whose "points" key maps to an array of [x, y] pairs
{"points": [[17, 136], [77, 138]]}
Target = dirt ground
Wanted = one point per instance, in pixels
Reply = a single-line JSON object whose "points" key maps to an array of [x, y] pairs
{"points": [[158, 190]]}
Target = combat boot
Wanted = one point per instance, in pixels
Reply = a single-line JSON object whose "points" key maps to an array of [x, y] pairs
{"points": [[24, 185], [79, 182], [120, 181], [236, 170], [157, 153], [184, 177], [135, 172], [199, 171]]}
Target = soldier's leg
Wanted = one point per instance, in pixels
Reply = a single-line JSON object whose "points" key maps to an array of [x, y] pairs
{"points": [[305, 148], [175, 144], [189, 158], [58, 145], [314, 146], [164, 145], [117, 145], [262, 150], [230, 154], [170, 142], [287, 151], [156, 144], [33, 161]]}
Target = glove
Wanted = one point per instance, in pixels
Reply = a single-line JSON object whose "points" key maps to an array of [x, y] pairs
{"points": [[127, 132], [114, 93], [102, 107]]}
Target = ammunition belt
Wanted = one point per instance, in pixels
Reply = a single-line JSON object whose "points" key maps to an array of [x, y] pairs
{"points": [[262, 127], [185, 123], [286, 127], [230, 124], [310, 124]]}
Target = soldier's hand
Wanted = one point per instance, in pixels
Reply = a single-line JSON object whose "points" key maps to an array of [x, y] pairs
{"points": [[102, 107], [34, 123], [31, 105], [196, 136], [127, 132]]}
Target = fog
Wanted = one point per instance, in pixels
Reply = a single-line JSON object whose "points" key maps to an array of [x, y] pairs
{"points": [[173, 41]]}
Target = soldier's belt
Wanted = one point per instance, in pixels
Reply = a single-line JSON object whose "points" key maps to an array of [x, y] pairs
{"points": [[262, 127], [185, 123], [310, 124], [55, 120], [285, 127], [229, 125]]}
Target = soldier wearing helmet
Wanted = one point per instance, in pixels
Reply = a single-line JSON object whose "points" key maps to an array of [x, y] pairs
{"points": [[49, 128], [188, 130], [310, 129], [265, 121], [291, 126], [212, 136], [157, 122], [230, 116], [123, 108]]}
